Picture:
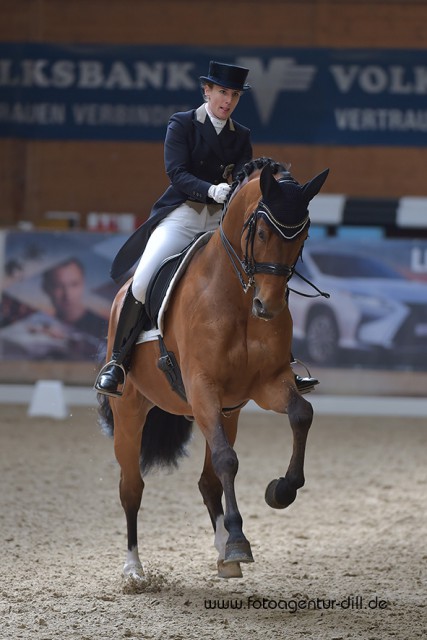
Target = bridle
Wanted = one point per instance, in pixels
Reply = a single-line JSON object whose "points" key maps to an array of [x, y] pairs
{"points": [[249, 267]]}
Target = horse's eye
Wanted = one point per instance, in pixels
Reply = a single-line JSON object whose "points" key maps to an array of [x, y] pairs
{"points": [[261, 234]]}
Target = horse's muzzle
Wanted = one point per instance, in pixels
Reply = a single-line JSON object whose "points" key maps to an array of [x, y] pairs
{"points": [[260, 310], [267, 308]]}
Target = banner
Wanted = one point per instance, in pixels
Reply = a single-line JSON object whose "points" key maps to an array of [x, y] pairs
{"points": [[56, 298], [299, 95]]}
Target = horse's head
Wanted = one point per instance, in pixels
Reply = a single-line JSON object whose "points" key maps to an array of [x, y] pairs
{"points": [[273, 236]]}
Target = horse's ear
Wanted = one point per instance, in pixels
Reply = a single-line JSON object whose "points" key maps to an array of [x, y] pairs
{"points": [[269, 184], [312, 188]]}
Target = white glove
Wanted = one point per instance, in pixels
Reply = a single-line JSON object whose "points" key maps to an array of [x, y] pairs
{"points": [[219, 192]]}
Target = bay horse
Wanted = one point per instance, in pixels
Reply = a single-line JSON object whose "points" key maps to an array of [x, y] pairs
{"points": [[229, 327]]}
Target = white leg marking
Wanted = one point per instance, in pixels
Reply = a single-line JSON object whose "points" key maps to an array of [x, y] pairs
{"points": [[221, 537], [133, 567], [231, 569]]}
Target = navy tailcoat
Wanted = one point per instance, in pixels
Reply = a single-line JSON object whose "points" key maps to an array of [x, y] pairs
{"points": [[195, 158]]}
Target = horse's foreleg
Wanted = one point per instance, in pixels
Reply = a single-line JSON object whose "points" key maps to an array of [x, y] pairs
{"points": [[282, 492], [225, 465], [211, 489]]}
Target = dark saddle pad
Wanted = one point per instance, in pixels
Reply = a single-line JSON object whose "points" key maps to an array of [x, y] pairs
{"points": [[161, 280]]}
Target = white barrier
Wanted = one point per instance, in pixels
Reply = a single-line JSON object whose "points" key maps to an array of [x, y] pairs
{"points": [[323, 404]]}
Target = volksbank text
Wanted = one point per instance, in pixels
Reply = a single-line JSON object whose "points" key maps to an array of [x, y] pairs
{"points": [[297, 604]]}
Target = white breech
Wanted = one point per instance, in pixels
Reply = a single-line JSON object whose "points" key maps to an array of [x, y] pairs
{"points": [[170, 236]]}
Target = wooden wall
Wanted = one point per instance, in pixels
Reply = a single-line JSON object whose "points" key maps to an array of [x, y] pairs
{"points": [[36, 177]]}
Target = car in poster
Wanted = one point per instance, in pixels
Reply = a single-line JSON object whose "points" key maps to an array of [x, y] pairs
{"points": [[373, 308]]}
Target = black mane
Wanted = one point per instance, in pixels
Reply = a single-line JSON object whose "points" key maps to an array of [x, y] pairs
{"points": [[255, 165]]}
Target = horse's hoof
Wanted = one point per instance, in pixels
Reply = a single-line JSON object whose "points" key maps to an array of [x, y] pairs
{"points": [[238, 552], [134, 580], [229, 570], [279, 494], [133, 571]]}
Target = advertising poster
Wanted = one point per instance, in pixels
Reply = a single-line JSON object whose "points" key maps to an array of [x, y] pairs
{"points": [[56, 294], [376, 316]]}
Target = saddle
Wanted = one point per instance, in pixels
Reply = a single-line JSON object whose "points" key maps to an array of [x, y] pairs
{"points": [[158, 293]]}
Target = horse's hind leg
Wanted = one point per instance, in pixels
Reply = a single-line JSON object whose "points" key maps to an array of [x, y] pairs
{"points": [[282, 492], [211, 490], [129, 417]]}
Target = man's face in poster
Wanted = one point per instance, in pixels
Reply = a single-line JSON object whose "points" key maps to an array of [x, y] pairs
{"points": [[65, 287]]}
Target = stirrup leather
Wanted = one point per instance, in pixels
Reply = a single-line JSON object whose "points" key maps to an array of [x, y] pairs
{"points": [[119, 392]]}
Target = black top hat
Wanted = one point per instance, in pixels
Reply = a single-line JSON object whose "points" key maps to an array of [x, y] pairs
{"points": [[227, 75]]}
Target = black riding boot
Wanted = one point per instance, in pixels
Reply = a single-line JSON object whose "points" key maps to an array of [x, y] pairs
{"points": [[130, 324], [304, 384]]}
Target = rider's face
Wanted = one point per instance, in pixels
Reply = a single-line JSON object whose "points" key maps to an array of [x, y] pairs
{"points": [[222, 101]]}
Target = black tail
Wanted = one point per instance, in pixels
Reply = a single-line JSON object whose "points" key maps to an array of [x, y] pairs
{"points": [[164, 440], [105, 415], [164, 437]]}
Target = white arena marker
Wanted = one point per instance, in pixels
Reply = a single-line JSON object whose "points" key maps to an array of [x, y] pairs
{"points": [[48, 400]]}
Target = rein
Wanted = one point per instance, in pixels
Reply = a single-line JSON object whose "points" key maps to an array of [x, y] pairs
{"points": [[319, 293]]}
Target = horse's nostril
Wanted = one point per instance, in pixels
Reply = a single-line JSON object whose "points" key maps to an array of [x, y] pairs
{"points": [[259, 310], [258, 307]]}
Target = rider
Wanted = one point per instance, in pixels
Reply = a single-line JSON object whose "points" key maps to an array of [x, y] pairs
{"points": [[204, 149]]}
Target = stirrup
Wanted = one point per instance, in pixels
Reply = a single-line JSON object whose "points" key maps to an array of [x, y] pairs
{"points": [[119, 392], [302, 364], [309, 383]]}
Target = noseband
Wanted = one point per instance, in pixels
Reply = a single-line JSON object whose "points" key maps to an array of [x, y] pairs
{"points": [[249, 266]]}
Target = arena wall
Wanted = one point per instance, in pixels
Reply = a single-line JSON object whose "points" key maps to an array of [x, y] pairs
{"points": [[40, 176]]}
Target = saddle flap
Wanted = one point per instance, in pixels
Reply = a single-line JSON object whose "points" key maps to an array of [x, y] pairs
{"points": [[159, 284], [166, 276]]}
